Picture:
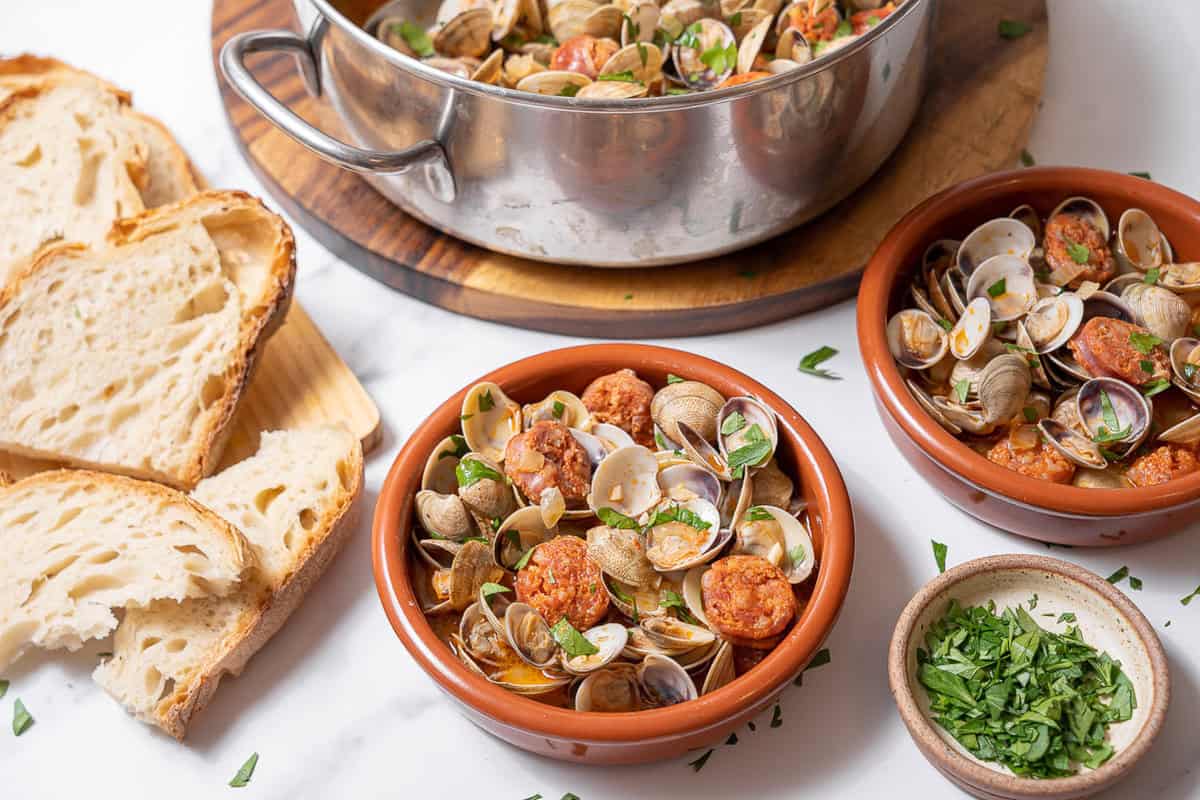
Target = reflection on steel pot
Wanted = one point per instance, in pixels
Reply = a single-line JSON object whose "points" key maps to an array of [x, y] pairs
{"points": [[590, 179]]}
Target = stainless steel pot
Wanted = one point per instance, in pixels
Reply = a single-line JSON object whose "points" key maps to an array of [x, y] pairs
{"points": [[599, 182]]}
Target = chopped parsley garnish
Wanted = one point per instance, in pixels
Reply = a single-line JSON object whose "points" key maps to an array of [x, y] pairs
{"points": [[22, 719], [945, 323], [735, 20], [758, 514], [1118, 576], [754, 452], [674, 378], [643, 54], [1027, 158], [1152, 276], [1155, 387], [676, 90], [1011, 692], [1146, 366], [843, 29], [939, 555], [733, 423], [1031, 414], [1111, 430], [569, 90], [961, 389], [486, 402], [471, 471], [720, 59], [573, 643], [488, 589], [626, 76], [460, 448], [523, 560], [672, 599], [242, 778], [797, 554], [1079, 253], [1013, 29], [678, 513], [416, 38], [810, 364], [998, 288], [465, 417], [660, 441], [557, 409], [1144, 343], [1145, 175], [615, 519], [699, 763]]}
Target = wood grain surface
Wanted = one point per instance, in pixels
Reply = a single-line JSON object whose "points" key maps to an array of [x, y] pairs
{"points": [[975, 119]]}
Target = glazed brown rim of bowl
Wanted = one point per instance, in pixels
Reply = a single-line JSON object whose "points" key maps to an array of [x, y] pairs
{"points": [[328, 9], [994, 780], [890, 263], [389, 541]]}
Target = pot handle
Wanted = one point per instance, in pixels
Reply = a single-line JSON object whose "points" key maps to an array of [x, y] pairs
{"points": [[427, 154]]}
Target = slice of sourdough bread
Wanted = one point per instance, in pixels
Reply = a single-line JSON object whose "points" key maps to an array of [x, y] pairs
{"points": [[78, 544], [131, 356], [294, 500], [70, 164], [169, 175]]}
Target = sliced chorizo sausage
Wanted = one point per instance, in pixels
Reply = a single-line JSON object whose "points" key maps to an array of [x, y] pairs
{"points": [[1163, 464], [623, 399], [547, 456], [561, 581], [1032, 457], [1114, 348], [748, 600], [1074, 246]]}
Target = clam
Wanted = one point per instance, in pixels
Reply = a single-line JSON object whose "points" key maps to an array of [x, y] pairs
{"points": [[792, 46], [621, 553], [519, 67], [553, 82], [771, 487], [437, 553], [489, 419], [1107, 304], [743, 20], [611, 436], [683, 482], [747, 434], [432, 587], [490, 69], [1073, 446], [481, 639], [1037, 366], [519, 533], [1028, 215], [1003, 236], [664, 682], [670, 633], [1184, 432], [690, 535], [915, 339], [609, 641], [1185, 366], [721, 671], [1007, 282], [751, 45], [614, 688], [444, 515], [700, 37], [643, 60], [520, 677], [484, 490], [680, 13], [1003, 386], [636, 601], [529, 635], [390, 31], [467, 34], [640, 22], [1181, 276], [626, 482], [692, 402], [472, 567], [926, 401], [954, 289], [970, 420], [568, 18], [1139, 242], [1114, 414], [505, 16], [613, 90], [1160, 311], [972, 329], [1100, 479], [775, 535], [1087, 210], [604, 22], [701, 452], [641, 644], [1053, 320], [693, 594], [559, 406], [592, 445], [438, 475]]}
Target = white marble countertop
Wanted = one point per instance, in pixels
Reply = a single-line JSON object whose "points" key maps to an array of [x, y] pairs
{"points": [[335, 706]]}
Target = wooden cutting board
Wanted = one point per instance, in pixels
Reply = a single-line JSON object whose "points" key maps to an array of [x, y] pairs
{"points": [[983, 96]]}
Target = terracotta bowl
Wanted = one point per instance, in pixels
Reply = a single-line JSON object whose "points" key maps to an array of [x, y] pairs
{"points": [[996, 495], [596, 738], [1108, 621]]}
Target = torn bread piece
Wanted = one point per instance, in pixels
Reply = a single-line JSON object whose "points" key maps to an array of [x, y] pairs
{"points": [[295, 502], [131, 356], [77, 544]]}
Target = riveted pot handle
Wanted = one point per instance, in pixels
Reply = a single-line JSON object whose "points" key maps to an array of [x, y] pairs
{"points": [[427, 154]]}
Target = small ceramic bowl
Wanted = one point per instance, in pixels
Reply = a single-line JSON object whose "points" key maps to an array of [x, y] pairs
{"points": [[1109, 622], [637, 736], [1001, 497]]}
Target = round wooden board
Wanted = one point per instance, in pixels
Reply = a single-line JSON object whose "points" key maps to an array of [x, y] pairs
{"points": [[983, 95]]}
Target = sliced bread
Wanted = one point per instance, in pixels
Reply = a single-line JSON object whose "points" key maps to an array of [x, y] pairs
{"points": [[131, 356], [294, 500], [69, 164], [169, 175], [78, 544]]}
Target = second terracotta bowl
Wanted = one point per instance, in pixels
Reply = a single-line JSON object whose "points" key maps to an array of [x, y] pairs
{"points": [[1026, 506], [638, 736]]}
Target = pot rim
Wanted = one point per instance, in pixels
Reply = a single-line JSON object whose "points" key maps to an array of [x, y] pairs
{"points": [[595, 105], [992, 780], [388, 552], [924, 224]]}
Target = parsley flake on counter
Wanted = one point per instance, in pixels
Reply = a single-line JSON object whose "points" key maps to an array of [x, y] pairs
{"points": [[1118, 576], [1145, 175], [777, 716], [819, 660], [3, 688], [1186, 600], [939, 555], [699, 763], [246, 772], [22, 719], [1135, 583], [569, 796], [1009, 691], [1027, 158], [810, 364], [533, 797], [1013, 29]]}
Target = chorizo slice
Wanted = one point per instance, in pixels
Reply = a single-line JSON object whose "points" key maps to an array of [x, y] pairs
{"points": [[561, 581], [1165, 463], [623, 399], [547, 456], [748, 600], [1114, 348], [1075, 246], [1032, 457]]}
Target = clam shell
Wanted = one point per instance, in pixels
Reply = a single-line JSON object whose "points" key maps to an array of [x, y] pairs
{"points": [[721, 671], [1131, 407], [438, 475], [1003, 386], [925, 400], [643, 59], [782, 540], [529, 636], [467, 34], [1087, 209], [1019, 290], [693, 72], [444, 514], [682, 482], [621, 553], [1185, 432], [472, 567], [626, 482], [751, 45], [693, 402], [613, 689], [1001, 236], [1073, 446], [568, 18], [664, 682], [609, 641], [670, 633], [640, 22], [972, 330], [1139, 242], [573, 414], [487, 432], [487, 498], [613, 90], [1181, 276], [1160, 311], [525, 528], [1028, 215], [552, 82], [677, 545], [604, 22], [693, 594], [1053, 320], [731, 438], [915, 339]]}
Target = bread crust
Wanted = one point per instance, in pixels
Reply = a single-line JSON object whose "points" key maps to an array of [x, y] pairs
{"points": [[259, 624]]}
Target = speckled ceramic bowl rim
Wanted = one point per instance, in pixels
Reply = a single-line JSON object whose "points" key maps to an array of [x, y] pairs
{"points": [[991, 780], [390, 535], [923, 225]]}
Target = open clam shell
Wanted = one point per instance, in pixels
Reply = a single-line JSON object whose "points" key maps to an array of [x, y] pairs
{"points": [[672, 634], [1028, 215], [751, 45], [444, 515], [1139, 242], [554, 82], [635, 600], [1181, 276], [639, 22], [915, 339], [692, 537], [603, 22], [968, 419], [482, 637], [609, 641], [438, 475], [701, 452], [1007, 283], [926, 401], [484, 490], [612, 689], [1001, 236], [529, 636], [1160, 311], [621, 553], [972, 330], [558, 406], [693, 594], [626, 482], [700, 37], [1088, 210], [747, 433], [472, 567], [1073, 446], [1184, 432], [1053, 320], [489, 419], [592, 445], [1185, 366], [468, 34], [774, 534], [683, 482], [612, 437], [643, 60], [664, 682], [692, 402], [520, 532], [771, 487], [1108, 407], [721, 671], [1003, 386]]}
